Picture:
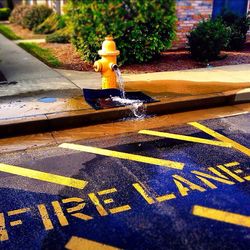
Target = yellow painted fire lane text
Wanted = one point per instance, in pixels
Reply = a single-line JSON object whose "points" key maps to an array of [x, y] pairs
{"points": [[105, 203]]}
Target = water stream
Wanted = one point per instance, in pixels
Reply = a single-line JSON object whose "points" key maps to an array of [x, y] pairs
{"points": [[120, 81], [136, 106]]}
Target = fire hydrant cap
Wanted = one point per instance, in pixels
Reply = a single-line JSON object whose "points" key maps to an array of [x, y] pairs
{"points": [[109, 48]]}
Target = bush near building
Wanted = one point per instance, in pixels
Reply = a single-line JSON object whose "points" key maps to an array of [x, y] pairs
{"points": [[208, 39], [30, 16], [142, 29], [4, 14], [18, 13], [53, 23], [35, 16], [238, 29]]}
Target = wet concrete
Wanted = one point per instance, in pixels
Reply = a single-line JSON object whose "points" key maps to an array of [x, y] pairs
{"points": [[30, 106]]}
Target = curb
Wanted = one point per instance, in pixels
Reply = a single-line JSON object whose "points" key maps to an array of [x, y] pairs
{"points": [[71, 119]]}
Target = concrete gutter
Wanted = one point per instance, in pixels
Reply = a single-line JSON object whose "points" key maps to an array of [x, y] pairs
{"points": [[70, 119]]}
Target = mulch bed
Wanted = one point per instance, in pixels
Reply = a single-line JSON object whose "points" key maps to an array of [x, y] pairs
{"points": [[68, 56], [168, 61]]}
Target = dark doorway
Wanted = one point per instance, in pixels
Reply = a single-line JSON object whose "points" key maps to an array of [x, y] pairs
{"points": [[237, 6]]}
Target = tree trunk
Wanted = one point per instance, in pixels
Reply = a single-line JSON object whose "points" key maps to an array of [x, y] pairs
{"points": [[10, 4]]}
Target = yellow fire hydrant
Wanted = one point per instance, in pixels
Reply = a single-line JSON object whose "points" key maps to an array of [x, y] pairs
{"points": [[107, 64]]}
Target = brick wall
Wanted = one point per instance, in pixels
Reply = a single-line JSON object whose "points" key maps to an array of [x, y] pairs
{"points": [[190, 12]]}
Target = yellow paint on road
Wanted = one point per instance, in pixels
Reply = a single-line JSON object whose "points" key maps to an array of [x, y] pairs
{"points": [[77, 243], [232, 164], [119, 209], [43, 176], [165, 197], [16, 212], [59, 213], [45, 217], [3, 232], [230, 173], [125, 156], [220, 137], [223, 216], [185, 138], [98, 205], [107, 191], [143, 193]]}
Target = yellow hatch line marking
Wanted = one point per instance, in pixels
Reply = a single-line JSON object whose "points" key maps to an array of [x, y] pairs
{"points": [[185, 138], [219, 215], [126, 156], [42, 176], [77, 243], [220, 137]]}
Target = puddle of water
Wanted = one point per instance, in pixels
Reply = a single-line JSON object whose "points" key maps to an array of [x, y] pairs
{"points": [[136, 106], [75, 103], [47, 99], [29, 106]]}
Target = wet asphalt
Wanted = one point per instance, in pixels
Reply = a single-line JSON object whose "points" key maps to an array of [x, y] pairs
{"points": [[121, 216]]}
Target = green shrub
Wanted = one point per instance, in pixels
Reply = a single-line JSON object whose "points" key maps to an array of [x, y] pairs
{"points": [[51, 24], [141, 29], [4, 14], [238, 29], [18, 13], [60, 36], [207, 40], [35, 16]]}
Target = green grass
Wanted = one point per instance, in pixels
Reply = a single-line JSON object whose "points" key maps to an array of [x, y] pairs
{"points": [[42, 54], [7, 32]]}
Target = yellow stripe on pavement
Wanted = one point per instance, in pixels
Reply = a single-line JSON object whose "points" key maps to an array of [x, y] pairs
{"points": [[185, 138], [220, 137], [219, 215], [42, 176], [121, 155], [77, 243]]}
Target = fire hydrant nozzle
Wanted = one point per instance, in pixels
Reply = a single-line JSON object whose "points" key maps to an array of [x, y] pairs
{"points": [[114, 66], [107, 64], [97, 66]]}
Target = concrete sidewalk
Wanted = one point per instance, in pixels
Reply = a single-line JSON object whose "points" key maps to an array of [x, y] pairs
{"points": [[46, 99], [32, 76]]}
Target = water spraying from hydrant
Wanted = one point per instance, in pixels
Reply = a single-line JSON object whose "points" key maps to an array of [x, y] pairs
{"points": [[120, 81]]}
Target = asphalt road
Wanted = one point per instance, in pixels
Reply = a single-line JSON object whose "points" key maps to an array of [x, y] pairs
{"points": [[187, 193]]}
